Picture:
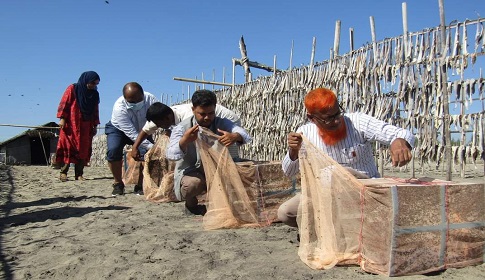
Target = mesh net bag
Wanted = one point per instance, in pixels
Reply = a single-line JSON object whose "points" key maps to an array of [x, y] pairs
{"points": [[329, 214], [228, 203], [158, 173], [267, 187], [387, 226], [132, 172]]}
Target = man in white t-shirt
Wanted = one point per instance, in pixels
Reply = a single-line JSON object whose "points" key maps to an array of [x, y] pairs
{"points": [[160, 115], [122, 129]]}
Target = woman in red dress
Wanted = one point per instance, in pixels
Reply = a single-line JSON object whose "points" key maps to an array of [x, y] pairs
{"points": [[79, 116]]}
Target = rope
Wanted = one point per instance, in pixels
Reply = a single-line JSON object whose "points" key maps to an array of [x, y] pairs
{"points": [[30, 126]]}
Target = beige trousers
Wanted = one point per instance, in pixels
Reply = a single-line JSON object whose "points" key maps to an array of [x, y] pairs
{"points": [[288, 211], [192, 185]]}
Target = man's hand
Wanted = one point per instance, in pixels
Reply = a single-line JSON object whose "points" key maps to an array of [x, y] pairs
{"points": [[135, 154], [400, 152], [294, 144], [228, 138], [189, 136]]}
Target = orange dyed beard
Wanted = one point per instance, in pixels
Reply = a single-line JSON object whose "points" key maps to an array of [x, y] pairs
{"points": [[331, 137]]}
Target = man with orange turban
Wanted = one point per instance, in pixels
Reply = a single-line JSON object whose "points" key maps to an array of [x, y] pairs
{"points": [[346, 138]]}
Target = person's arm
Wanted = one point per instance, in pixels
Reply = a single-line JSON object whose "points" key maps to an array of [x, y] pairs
{"points": [[121, 120], [400, 140], [96, 121], [64, 108], [179, 141], [231, 133], [229, 138], [135, 152], [189, 136], [290, 163]]}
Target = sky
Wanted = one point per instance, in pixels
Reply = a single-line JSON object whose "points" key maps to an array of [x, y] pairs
{"points": [[47, 44]]}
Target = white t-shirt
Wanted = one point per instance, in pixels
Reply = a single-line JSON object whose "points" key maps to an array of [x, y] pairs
{"points": [[184, 111], [129, 121]]}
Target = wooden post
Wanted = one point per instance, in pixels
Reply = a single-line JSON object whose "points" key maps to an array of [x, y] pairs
{"points": [[444, 89], [405, 29], [213, 77], [233, 74], [336, 40], [463, 133], [291, 55], [188, 94], [224, 74], [274, 65], [244, 60], [374, 58], [482, 124], [313, 52], [373, 34], [351, 35]]}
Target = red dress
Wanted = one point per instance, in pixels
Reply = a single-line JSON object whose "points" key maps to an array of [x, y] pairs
{"points": [[75, 140]]}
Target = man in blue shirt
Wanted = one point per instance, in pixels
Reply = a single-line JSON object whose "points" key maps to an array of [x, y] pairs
{"points": [[189, 178]]}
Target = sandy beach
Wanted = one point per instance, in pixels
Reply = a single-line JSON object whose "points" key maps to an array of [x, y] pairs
{"points": [[76, 230]]}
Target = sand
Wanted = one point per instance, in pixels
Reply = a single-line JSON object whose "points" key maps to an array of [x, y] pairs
{"points": [[76, 230]]}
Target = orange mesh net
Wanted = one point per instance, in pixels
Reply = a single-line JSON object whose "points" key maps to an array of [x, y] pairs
{"points": [[387, 226], [228, 203], [158, 173], [329, 217], [131, 171]]}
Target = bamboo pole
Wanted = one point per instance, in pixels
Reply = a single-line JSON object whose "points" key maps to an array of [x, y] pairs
{"points": [[336, 40], [233, 75], [30, 126], [244, 60], [482, 123], [224, 75], [406, 42], [188, 94], [374, 59], [213, 77], [444, 88], [258, 65], [43, 149], [373, 34], [312, 58], [291, 55], [274, 65], [202, 82], [405, 29], [351, 40]]}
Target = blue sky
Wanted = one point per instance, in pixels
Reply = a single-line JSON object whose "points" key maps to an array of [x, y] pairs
{"points": [[47, 44]]}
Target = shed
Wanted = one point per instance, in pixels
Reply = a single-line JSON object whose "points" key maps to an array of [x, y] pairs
{"points": [[31, 147]]}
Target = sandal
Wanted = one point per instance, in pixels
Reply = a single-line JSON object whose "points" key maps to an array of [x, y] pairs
{"points": [[63, 177], [80, 178]]}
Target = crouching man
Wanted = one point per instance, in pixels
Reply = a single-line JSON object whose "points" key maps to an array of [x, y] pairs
{"points": [[189, 178]]}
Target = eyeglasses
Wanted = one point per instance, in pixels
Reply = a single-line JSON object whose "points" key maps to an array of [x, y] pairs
{"points": [[330, 119]]}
